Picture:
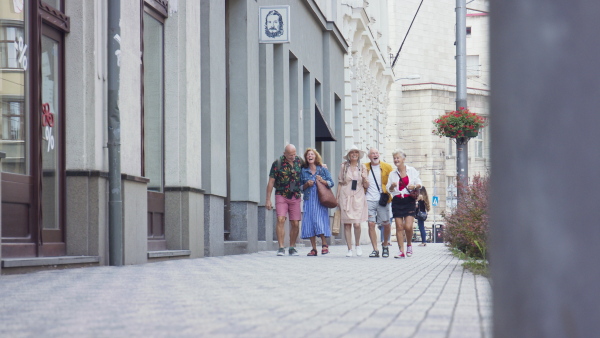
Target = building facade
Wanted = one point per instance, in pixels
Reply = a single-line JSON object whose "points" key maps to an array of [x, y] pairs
{"points": [[429, 54], [205, 108]]}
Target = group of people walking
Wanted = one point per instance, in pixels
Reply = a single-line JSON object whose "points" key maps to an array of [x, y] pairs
{"points": [[365, 193]]}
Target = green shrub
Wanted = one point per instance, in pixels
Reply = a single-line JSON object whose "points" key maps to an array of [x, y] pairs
{"points": [[467, 225]]}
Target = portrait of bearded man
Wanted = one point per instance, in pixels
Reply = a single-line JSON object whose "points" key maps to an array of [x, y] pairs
{"points": [[274, 24]]}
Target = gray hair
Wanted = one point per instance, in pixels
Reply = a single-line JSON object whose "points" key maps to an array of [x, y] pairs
{"points": [[399, 152]]}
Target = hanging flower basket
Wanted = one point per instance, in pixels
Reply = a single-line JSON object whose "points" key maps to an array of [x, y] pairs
{"points": [[459, 123]]}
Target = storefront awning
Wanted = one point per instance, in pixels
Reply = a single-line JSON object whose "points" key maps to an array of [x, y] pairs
{"points": [[322, 130]]}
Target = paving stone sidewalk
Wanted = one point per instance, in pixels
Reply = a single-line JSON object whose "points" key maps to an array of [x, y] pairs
{"points": [[254, 295]]}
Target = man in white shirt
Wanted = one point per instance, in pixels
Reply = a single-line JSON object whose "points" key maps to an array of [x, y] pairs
{"points": [[378, 173]]}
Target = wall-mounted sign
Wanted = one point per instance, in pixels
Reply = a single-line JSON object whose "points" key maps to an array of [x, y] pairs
{"points": [[274, 24]]}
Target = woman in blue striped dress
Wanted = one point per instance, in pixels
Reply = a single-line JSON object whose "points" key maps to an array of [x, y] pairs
{"points": [[315, 220]]}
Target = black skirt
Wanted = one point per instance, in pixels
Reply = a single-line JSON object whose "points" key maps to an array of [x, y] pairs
{"points": [[403, 207]]}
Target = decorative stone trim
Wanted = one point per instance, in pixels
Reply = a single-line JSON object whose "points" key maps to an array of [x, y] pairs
{"points": [[160, 6], [47, 261], [104, 174], [86, 173], [55, 17], [185, 189], [168, 253]]}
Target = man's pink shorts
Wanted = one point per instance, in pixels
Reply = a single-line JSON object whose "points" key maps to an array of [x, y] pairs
{"points": [[283, 206]]}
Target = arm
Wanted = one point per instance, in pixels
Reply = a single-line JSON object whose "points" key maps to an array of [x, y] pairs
{"points": [[364, 172], [415, 180], [341, 175], [392, 183], [326, 177], [305, 183], [269, 190]]}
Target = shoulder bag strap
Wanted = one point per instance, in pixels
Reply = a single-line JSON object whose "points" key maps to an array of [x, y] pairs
{"points": [[375, 179]]}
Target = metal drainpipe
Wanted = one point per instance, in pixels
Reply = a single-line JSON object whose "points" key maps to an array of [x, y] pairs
{"points": [[115, 202]]}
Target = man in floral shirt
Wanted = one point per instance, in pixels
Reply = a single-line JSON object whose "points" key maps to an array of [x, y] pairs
{"points": [[285, 177]]}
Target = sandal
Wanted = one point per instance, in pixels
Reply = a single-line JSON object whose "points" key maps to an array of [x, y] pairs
{"points": [[386, 252], [375, 253], [324, 250], [423, 244], [312, 252]]}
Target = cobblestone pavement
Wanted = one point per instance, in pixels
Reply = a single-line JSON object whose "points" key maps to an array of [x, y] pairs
{"points": [[255, 295]]}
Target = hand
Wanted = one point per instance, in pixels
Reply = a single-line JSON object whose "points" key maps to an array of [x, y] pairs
{"points": [[320, 179], [310, 183], [393, 186], [268, 205], [411, 187]]}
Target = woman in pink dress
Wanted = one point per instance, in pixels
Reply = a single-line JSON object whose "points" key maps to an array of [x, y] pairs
{"points": [[352, 200]]}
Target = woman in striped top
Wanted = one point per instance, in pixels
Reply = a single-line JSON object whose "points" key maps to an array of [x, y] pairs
{"points": [[315, 221]]}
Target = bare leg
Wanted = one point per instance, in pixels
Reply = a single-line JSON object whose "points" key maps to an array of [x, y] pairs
{"points": [[408, 227], [313, 241], [348, 235], [400, 233], [323, 240], [280, 230], [357, 234], [373, 235], [294, 230], [387, 231]]}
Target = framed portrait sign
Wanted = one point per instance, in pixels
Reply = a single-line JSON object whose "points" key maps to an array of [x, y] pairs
{"points": [[274, 24]]}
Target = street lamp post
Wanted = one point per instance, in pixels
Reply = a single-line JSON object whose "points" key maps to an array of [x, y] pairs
{"points": [[462, 149]]}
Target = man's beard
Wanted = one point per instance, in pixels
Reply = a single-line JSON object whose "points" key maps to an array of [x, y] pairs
{"points": [[273, 34]]}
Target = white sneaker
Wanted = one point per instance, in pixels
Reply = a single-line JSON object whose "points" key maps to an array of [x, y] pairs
{"points": [[349, 254], [409, 251], [358, 251]]}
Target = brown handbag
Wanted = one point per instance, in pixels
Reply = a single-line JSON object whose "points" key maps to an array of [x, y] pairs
{"points": [[326, 197]]}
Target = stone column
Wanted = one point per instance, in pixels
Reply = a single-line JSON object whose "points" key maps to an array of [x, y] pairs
{"points": [[544, 129], [243, 125], [281, 97], [2, 156], [184, 222], [214, 130], [267, 156]]}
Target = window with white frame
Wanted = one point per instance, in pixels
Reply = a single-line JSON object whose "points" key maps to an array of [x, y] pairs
{"points": [[473, 66], [478, 144]]}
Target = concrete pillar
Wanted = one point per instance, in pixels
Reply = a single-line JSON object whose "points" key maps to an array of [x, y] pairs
{"points": [[267, 155], [214, 128], [544, 129], [87, 218], [308, 114], [2, 156], [135, 220], [184, 225], [296, 126], [281, 98], [244, 121]]}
